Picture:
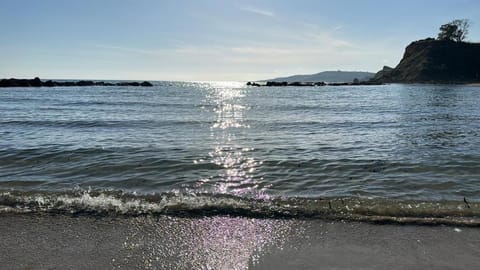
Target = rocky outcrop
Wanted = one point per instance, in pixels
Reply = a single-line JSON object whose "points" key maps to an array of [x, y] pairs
{"points": [[85, 83], [302, 84], [20, 83], [383, 74], [435, 61], [253, 84], [39, 83], [146, 84], [276, 84]]}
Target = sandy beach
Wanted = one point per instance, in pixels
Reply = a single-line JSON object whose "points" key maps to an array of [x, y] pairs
{"points": [[38, 241]]}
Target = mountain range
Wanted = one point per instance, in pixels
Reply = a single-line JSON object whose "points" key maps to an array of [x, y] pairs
{"points": [[327, 76]]}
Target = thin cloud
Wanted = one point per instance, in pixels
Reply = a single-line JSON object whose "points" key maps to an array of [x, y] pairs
{"points": [[337, 28], [258, 11], [181, 50], [124, 49]]}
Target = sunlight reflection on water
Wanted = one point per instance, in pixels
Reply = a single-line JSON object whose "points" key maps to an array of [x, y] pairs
{"points": [[236, 160]]}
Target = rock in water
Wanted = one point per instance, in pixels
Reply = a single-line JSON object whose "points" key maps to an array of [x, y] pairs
{"points": [[145, 83], [38, 83]]}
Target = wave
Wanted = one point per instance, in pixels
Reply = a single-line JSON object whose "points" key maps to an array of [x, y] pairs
{"points": [[147, 124], [116, 203]]}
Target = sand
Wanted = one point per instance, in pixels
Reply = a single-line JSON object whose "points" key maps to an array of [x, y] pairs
{"points": [[38, 241]]}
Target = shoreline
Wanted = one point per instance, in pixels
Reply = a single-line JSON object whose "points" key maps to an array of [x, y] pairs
{"points": [[42, 241], [465, 213]]}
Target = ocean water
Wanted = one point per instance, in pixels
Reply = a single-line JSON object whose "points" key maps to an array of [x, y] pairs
{"points": [[395, 151]]}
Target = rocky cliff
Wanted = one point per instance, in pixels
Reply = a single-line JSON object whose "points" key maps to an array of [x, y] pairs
{"points": [[435, 61]]}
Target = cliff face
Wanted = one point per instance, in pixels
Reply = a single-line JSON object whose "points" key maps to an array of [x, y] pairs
{"points": [[435, 61]]}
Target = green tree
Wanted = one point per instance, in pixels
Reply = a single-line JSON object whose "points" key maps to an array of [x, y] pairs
{"points": [[456, 30]]}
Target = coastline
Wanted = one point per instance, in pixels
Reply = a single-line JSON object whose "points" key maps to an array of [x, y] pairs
{"points": [[42, 241]]}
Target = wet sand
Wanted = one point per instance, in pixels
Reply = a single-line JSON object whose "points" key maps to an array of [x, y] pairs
{"points": [[33, 241]]}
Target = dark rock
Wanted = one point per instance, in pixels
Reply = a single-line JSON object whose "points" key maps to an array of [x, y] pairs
{"points": [[383, 75], [69, 84], [85, 83], [36, 82], [301, 84], [128, 84], [271, 83], [253, 84], [9, 83], [49, 83], [339, 84], [146, 84], [295, 84], [16, 83]]}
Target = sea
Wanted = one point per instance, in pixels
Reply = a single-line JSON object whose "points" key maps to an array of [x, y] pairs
{"points": [[387, 153]]}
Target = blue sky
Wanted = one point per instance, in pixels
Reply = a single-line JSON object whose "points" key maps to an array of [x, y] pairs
{"points": [[214, 39]]}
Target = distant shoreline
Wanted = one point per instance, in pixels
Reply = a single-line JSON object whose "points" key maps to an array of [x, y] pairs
{"points": [[313, 84], [36, 82], [303, 84]]}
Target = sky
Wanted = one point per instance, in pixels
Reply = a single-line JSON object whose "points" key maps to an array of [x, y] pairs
{"points": [[214, 40]]}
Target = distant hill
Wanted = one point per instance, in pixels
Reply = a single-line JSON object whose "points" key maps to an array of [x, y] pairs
{"points": [[435, 61], [327, 76]]}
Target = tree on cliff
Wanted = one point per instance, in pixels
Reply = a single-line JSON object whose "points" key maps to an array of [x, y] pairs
{"points": [[456, 30]]}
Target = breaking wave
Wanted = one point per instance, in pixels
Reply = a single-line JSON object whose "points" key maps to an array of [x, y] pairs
{"points": [[121, 204]]}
